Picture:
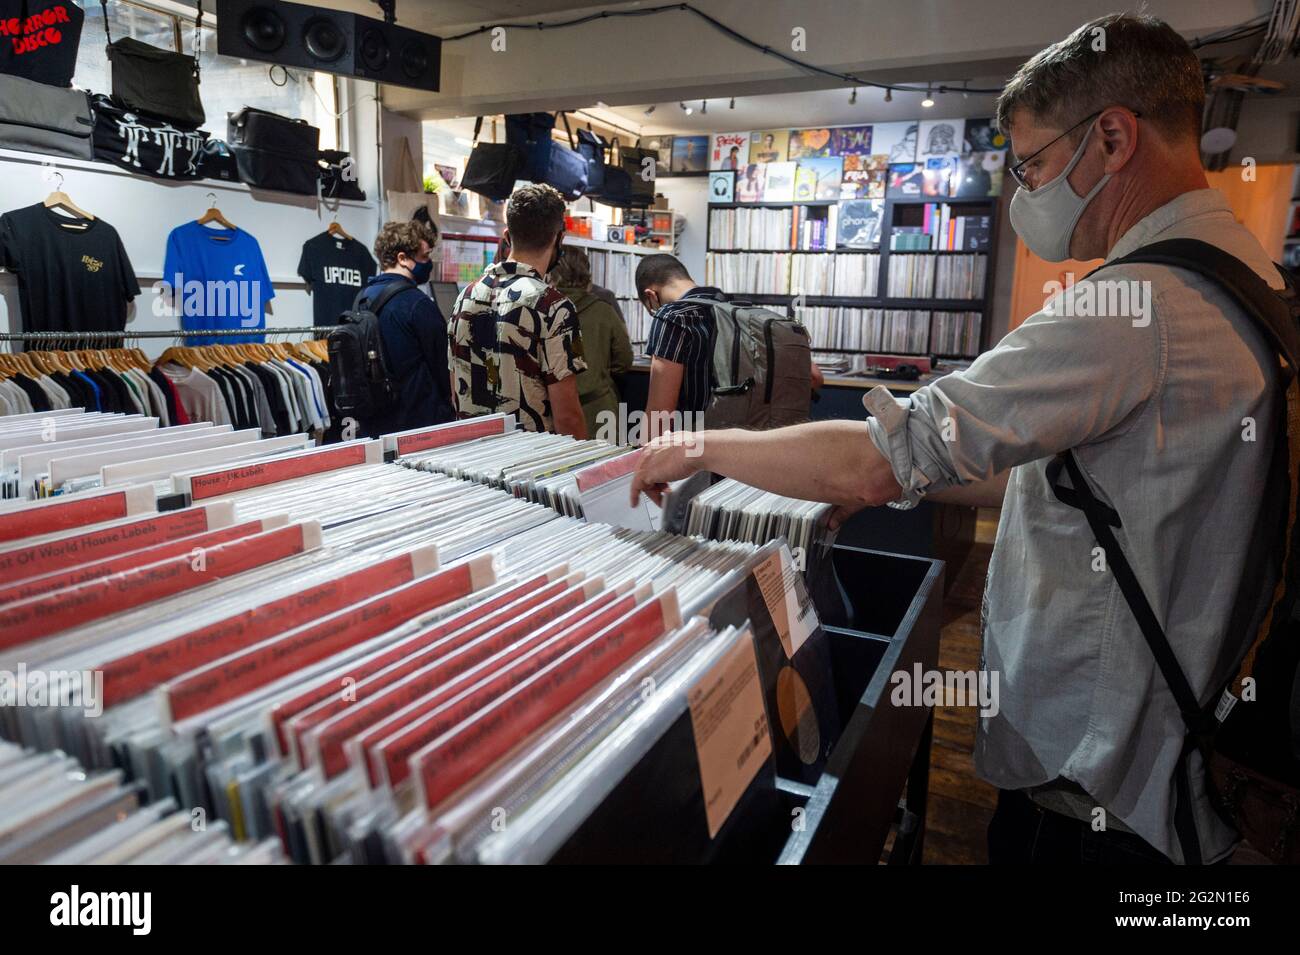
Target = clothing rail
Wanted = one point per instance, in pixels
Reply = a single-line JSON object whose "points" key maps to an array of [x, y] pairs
{"points": [[97, 336]]}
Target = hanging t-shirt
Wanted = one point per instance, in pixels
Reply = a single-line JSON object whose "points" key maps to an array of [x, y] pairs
{"points": [[219, 280], [335, 269], [73, 274], [39, 39]]}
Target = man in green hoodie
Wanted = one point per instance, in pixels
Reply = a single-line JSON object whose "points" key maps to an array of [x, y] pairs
{"points": [[606, 345]]}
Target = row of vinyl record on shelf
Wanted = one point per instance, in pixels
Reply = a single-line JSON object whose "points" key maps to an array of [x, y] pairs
{"points": [[912, 332], [937, 276], [615, 271], [342, 659], [917, 275]]}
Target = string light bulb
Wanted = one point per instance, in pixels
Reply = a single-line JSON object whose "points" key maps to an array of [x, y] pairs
{"points": [[704, 106], [853, 97], [929, 98], [685, 109], [733, 103], [889, 95]]}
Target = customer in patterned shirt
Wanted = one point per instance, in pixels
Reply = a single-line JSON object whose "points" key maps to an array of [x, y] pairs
{"points": [[514, 344]]}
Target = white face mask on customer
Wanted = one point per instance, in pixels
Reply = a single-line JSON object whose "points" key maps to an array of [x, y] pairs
{"points": [[1045, 218]]}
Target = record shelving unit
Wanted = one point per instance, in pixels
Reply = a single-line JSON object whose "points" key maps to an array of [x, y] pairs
{"points": [[897, 212]]}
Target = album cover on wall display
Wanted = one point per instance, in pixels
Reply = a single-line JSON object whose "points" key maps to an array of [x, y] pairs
{"points": [[663, 146], [768, 145], [939, 137], [851, 141], [864, 177], [939, 177], [983, 136], [722, 185], [690, 154], [818, 178], [895, 140], [980, 174], [809, 143], [750, 184], [729, 151], [779, 186], [859, 225], [905, 180]]}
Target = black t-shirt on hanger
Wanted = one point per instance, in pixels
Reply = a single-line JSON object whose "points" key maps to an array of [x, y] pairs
{"points": [[73, 274], [335, 270], [39, 39]]}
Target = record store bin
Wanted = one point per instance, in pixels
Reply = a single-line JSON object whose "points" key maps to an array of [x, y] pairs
{"points": [[880, 614]]}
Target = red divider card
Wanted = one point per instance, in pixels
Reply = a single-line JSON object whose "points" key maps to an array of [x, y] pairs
{"points": [[82, 546], [75, 510], [489, 725], [441, 435], [337, 729], [388, 748], [488, 653], [327, 698], [135, 673], [240, 673], [246, 476], [608, 470], [132, 559], [51, 613]]}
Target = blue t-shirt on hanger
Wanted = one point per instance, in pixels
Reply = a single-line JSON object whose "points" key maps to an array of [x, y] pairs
{"points": [[219, 280]]}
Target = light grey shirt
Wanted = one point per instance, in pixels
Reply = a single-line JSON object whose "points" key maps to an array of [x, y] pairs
{"points": [[1170, 418]]}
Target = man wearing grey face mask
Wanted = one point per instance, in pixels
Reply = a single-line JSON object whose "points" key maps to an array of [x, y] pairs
{"points": [[1149, 374]]}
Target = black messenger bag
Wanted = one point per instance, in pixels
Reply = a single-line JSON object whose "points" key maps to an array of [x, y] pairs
{"points": [[275, 152], [147, 79]]}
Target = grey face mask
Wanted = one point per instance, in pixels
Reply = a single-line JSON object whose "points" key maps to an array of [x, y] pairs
{"points": [[1045, 218]]}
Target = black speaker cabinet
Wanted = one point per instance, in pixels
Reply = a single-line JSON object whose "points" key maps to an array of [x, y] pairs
{"points": [[292, 34]]}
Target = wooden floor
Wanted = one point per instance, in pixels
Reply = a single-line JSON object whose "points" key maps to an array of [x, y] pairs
{"points": [[960, 805]]}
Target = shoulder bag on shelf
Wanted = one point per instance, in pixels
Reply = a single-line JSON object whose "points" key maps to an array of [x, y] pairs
{"points": [[37, 118], [407, 195], [531, 133], [275, 152], [592, 148], [140, 143], [641, 173], [567, 168], [616, 185], [492, 167], [216, 161], [338, 176], [147, 79]]}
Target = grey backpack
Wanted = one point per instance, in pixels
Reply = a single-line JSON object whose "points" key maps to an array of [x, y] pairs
{"points": [[762, 368]]}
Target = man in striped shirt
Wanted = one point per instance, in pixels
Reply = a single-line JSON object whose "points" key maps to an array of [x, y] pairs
{"points": [[680, 344]]}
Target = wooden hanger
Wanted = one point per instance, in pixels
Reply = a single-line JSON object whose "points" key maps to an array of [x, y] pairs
{"points": [[58, 199], [335, 229], [214, 215]]}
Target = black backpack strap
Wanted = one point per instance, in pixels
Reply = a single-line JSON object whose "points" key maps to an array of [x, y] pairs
{"points": [[1271, 314], [1198, 722], [376, 305], [1266, 306]]}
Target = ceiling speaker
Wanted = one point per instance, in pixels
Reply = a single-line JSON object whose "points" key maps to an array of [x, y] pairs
{"points": [[296, 35]]}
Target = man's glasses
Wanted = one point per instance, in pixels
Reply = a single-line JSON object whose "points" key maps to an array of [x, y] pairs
{"points": [[1018, 170]]}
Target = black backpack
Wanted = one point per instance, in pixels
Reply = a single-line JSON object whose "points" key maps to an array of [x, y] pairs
{"points": [[362, 383], [1250, 743], [761, 368]]}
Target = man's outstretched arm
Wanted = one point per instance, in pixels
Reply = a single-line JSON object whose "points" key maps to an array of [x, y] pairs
{"points": [[830, 461]]}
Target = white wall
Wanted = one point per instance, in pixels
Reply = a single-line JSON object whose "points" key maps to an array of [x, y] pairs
{"points": [[144, 211], [689, 196]]}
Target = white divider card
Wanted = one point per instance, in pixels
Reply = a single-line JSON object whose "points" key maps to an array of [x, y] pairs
{"points": [[81, 462], [162, 466], [33, 458], [31, 518], [441, 435], [732, 739], [19, 422], [207, 484], [783, 590], [605, 490], [108, 424]]}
